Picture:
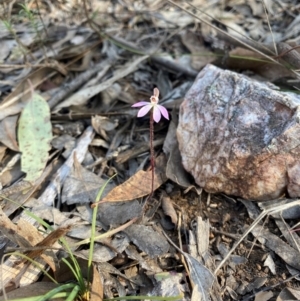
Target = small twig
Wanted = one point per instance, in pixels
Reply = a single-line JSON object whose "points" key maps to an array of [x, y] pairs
{"points": [[160, 61], [106, 234], [160, 230], [270, 288], [255, 239], [268, 21], [235, 237], [137, 150], [68, 88], [113, 144], [257, 220], [224, 32]]}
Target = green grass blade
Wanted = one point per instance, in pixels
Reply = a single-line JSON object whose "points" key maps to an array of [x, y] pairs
{"points": [[36, 264], [56, 290], [73, 294], [93, 229], [36, 298], [158, 298]]}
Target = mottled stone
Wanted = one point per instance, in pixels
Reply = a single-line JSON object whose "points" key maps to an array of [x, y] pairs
{"points": [[240, 137]]}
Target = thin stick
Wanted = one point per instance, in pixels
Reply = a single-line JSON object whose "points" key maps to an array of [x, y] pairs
{"points": [[255, 222]]}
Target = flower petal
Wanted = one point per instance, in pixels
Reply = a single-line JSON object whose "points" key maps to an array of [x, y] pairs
{"points": [[156, 92], [140, 104], [156, 113], [143, 111], [164, 111]]}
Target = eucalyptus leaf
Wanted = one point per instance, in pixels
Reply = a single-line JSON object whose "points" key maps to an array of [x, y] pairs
{"points": [[34, 136]]}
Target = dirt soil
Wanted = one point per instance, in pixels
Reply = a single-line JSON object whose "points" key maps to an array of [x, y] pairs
{"points": [[70, 72]]}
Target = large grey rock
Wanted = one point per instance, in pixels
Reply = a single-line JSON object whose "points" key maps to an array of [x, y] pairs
{"points": [[240, 137]]}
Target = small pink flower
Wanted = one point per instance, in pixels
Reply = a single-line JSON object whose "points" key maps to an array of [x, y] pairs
{"points": [[158, 110]]}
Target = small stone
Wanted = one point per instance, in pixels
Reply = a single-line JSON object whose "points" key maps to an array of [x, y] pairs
{"points": [[258, 266]]}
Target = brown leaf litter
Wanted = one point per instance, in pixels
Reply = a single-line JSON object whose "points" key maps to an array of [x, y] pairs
{"points": [[237, 137]]}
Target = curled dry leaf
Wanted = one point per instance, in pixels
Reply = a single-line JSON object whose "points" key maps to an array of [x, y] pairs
{"points": [[47, 242], [139, 185], [263, 296], [289, 293], [102, 124], [97, 286], [274, 243], [169, 284], [8, 132], [195, 43], [169, 209], [27, 236], [112, 214], [82, 186], [146, 239], [250, 60], [15, 101]]}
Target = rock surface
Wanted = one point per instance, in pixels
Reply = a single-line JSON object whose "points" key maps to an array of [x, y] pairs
{"points": [[240, 137]]}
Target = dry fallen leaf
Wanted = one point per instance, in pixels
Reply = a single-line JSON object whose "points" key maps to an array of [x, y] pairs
{"points": [[30, 291], [34, 136], [245, 59], [139, 185], [27, 236], [82, 186], [14, 102], [97, 286], [200, 56], [48, 241], [147, 239], [263, 296], [8, 132], [169, 209]]}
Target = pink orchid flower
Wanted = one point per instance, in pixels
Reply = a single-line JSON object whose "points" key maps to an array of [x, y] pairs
{"points": [[158, 110]]}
